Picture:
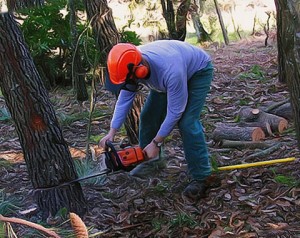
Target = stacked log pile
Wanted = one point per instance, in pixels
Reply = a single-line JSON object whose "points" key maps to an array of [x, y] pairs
{"points": [[254, 124]]}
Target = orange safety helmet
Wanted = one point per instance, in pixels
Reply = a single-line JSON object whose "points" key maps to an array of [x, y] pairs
{"points": [[119, 58]]}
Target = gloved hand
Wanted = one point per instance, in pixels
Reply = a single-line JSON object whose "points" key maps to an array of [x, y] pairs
{"points": [[109, 137]]}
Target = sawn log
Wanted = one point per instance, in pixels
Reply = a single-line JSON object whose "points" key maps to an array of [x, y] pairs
{"points": [[263, 119], [236, 133]]}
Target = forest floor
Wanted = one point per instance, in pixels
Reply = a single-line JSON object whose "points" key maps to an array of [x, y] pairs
{"points": [[254, 202]]}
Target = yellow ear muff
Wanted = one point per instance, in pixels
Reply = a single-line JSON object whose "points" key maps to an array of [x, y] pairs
{"points": [[141, 71]]}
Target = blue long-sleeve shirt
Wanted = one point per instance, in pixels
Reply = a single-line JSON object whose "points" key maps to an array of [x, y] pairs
{"points": [[172, 64]]}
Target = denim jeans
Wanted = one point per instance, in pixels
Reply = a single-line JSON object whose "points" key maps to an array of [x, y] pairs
{"points": [[190, 127]]}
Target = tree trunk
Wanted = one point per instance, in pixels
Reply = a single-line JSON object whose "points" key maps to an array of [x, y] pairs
{"points": [[17, 4], [107, 36], [132, 120], [176, 28], [77, 69], [169, 15], [103, 25], [46, 153], [201, 33], [181, 19], [288, 27], [224, 31]]}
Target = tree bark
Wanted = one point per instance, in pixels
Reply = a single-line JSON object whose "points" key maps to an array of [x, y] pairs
{"points": [[17, 4], [282, 110], [237, 133], [288, 28], [103, 24], [46, 153], [261, 118], [201, 33], [181, 19], [176, 24], [169, 15], [107, 36], [224, 31], [78, 78]]}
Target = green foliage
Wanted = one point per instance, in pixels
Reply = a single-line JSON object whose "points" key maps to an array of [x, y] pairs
{"points": [[5, 163], [244, 101], [183, 220], [286, 180], [130, 36], [63, 213], [67, 119], [4, 114], [8, 205], [47, 33], [256, 73], [95, 138], [160, 188], [157, 223], [86, 167], [46, 28], [214, 163]]}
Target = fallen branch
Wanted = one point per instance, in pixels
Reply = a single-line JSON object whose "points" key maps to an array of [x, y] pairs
{"points": [[264, 153], [30, 224], [243, 144]]}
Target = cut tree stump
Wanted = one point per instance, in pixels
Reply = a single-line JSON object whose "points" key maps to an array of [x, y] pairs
{"points": [[263, 119], [236, 133]]}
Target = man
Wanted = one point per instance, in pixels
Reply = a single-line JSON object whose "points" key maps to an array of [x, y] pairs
{"points": [[179, 77]]}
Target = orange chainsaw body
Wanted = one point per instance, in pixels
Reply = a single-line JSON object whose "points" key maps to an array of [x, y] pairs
{"points": [[124, 159], [131, 156]]}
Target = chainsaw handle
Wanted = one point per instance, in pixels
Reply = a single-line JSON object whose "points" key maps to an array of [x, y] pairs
{"points": [[111, 149], [110, 146]]}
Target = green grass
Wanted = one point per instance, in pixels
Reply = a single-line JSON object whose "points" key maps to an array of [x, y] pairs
{"points": [[286, 180], [256, 73], [183, 220], [8, 205], [86, 167], [67, 119]]}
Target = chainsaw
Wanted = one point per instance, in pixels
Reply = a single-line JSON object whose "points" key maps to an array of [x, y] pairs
{"points": [[112, 160], [125, 159]]}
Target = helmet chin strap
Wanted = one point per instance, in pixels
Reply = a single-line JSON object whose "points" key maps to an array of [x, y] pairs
{"points": [[131, 83]]}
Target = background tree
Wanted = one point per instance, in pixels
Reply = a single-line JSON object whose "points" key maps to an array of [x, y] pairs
{"points": [[176, 23], [196, 10], [49, 162], [78, 74], [107, 35], [224, 31], [288, 28]]}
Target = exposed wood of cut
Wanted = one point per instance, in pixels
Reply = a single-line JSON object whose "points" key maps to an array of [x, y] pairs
{"points": [[237, 133], [277, 123]]}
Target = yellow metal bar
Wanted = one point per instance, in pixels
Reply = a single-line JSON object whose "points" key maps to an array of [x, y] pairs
{"points": [[256, 164]]}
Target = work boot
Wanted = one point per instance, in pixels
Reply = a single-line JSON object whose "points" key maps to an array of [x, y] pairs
{"points": [[197, 188], [149, 167]]}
